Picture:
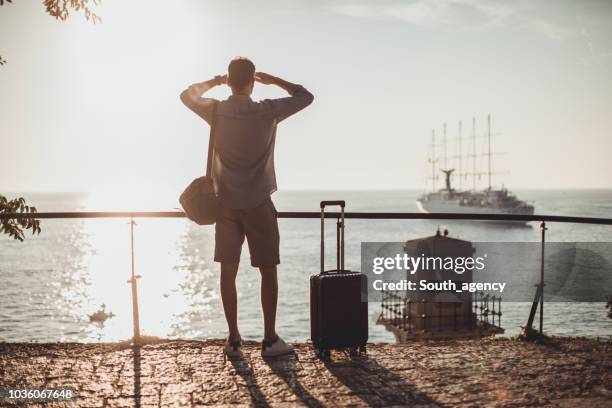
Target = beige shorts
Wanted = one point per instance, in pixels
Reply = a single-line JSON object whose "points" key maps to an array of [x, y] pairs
{"points": [[259, 225]]}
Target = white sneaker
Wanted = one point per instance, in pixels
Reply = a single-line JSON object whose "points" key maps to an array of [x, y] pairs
{"points": [[232, 348], [278, 348]]}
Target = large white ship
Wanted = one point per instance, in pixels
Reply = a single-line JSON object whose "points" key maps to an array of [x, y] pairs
{"points": [[486, 201]]}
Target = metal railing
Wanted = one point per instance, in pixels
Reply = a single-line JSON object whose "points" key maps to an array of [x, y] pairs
{"points": [[131, 215], [317, 215]]}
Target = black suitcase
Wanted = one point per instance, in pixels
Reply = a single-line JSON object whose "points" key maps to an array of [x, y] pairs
{"points": [[338, 317]]}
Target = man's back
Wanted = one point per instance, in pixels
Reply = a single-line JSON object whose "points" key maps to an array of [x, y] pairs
{"points": [[245, 133]]}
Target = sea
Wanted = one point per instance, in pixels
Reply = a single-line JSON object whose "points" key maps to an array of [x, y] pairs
{"points": [[52, 283]]}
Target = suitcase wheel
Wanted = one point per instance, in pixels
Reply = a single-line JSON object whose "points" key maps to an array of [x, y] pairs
{"points": [[362, 349], [324, 354]]}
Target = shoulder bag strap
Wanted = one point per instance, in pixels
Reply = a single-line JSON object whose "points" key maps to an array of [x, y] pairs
{"points": [[211, 139]]}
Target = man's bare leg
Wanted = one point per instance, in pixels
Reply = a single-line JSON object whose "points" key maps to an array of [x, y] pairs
{"points": [[269, 298], [229, 297]]}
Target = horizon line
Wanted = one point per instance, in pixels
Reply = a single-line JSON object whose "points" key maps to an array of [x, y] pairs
{"points": [[388, 189]]}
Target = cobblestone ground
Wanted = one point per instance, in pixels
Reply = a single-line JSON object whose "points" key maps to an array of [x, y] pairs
{"points": [[468, 373]]}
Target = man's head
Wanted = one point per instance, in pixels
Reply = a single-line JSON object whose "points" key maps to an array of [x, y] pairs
{"points": [[241, 75]]}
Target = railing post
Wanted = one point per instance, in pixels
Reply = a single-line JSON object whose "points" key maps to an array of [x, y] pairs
{"points": [[543, 229], [500, 312], [486, 308], [397, 310], [409, 326], [383, 304], [134, 284], [439, 316], [455, 316], [404, 315], [475, 300], [424, 315]]}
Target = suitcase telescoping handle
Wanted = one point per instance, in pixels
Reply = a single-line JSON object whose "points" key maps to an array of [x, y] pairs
{"points": [[339, 235]]}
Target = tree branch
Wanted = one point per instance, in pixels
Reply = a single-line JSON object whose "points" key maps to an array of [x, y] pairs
{"points": [[60, 9], [14, 227]]}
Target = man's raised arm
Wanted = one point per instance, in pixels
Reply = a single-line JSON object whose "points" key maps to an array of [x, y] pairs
{"points": [[285, 107], [192, 96]]}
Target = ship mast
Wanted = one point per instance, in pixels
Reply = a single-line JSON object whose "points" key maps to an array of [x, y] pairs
{"points": [[489, 147], [460, 158], [444, 142], [474, 151], [433, 159]]}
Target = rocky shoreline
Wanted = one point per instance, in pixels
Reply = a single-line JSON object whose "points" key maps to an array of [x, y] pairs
{"points": [[565, 372]]}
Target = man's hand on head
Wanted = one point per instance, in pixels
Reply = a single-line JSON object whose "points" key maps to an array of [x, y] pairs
{"points": [[268, 79], [264, 78], [221, 80], [192, 95]]}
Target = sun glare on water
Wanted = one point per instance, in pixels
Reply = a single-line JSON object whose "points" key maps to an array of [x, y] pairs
{"points": [[158, 251]]}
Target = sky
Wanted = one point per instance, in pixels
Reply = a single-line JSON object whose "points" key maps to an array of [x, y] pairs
{"points": [[88, 107]]}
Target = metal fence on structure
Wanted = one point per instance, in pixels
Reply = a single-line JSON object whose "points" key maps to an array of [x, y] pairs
{"points": [[406, 316], [487, 308]]}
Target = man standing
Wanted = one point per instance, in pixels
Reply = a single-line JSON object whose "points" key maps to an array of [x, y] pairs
{"points": [[244, 178]]}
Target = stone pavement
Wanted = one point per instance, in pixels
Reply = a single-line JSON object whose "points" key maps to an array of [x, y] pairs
{"points": [[464, 373]]}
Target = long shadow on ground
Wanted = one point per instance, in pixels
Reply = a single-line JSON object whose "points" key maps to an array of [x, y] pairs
{"points": [[137, 373], [376, 385], [244, 370], [287, 368]]}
